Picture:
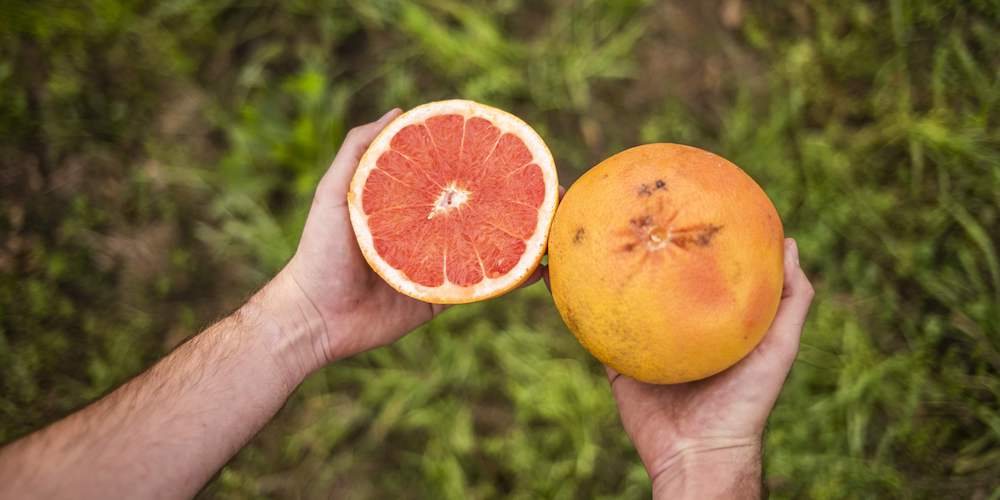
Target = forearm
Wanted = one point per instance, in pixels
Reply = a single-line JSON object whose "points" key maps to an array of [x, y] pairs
{"points": [[164, 433], [730, 470]]}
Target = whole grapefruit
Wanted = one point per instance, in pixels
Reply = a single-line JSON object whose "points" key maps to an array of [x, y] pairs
{"points": [[666, 262]]}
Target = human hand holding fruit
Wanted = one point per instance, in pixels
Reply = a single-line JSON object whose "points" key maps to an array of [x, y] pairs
{"points": [[424, 201], [702, 439], [691, 436], [668, 264], [437, 189], [458, 209], [328, 284]]}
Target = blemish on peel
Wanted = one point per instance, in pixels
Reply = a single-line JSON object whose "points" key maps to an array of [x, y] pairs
{"points": [[579, 235], [645, 231], [698, 235], [657, 233], [641, 222], [648, 189]]}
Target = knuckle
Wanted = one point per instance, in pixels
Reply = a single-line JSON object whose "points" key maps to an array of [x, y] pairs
{"points": [[802, 284], [355, 133]]}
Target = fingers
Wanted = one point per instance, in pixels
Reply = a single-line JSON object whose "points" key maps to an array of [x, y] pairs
{"points": [[545, 269], [796, 297], [612, 374], [534, 277], [338, 178]]}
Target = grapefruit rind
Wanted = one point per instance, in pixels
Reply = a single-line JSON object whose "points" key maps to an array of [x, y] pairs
{"points": [[666, 263], [450, 293]]}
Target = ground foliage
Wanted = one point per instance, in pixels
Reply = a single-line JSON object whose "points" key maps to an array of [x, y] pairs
{"points": [[157, 160]]}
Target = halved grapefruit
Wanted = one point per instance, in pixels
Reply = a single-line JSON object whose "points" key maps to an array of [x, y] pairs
{"points": [[453, 201]]}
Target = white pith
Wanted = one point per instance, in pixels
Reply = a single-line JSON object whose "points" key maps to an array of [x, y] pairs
{"points": [[449, 292], [451, 197]]}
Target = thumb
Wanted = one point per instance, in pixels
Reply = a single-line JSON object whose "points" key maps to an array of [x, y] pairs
{"points": [[612, 375], [337, 179], [796, 296]]}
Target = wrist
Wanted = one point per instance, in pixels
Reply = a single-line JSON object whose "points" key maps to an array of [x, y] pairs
{"points": [[709, 468], [290, 329]]}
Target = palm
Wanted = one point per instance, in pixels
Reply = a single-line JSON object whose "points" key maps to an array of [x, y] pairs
{"points": [[357, 310], [345, 284], [733, 405]]}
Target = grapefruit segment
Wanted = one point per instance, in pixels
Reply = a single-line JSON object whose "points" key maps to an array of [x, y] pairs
{"points": [[381, 195], [452, 202], [414, 144], [525, 185], [447, 133], [480, 139]]}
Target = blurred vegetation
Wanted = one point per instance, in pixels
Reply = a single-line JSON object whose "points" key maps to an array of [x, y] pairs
{"points": [[158, 159]]}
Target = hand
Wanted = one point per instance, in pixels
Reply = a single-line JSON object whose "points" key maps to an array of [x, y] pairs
{"points": [[684, 431], [327, 295], [186, 416]]}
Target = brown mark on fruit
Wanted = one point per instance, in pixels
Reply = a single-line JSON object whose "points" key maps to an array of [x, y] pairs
{"points": [[638, 229], [648, 189], [579, 234], [698, 235], [657, 233], [640, 223]]}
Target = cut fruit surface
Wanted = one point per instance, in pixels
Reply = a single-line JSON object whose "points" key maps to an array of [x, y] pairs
{"points": [[453, 201]]}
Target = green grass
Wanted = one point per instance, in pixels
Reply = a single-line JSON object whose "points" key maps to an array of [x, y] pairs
{"points": [[158, 159]]}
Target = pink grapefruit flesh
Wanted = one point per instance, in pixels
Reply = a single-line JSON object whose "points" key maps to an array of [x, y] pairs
{"points": [[453, 201]]}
